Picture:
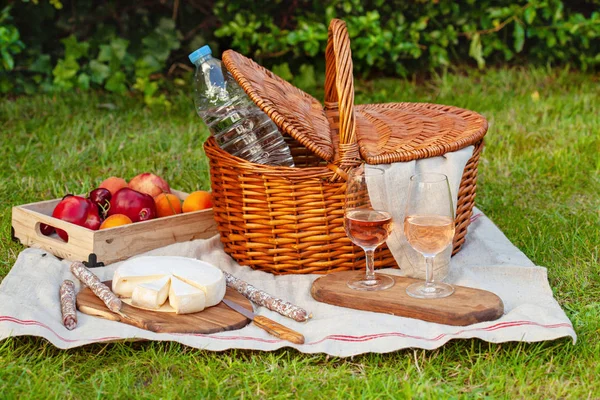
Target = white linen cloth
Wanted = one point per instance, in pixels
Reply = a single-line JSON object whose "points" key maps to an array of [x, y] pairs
{"points": [[29, 304], [395, 186]]}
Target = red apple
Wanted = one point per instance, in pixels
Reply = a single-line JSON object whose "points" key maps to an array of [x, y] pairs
{"points": [[149, 183], [137, 206], [93, 219], [76, 210]]}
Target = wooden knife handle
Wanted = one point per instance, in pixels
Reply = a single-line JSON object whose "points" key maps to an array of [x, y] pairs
{"points": [[278, 330]]}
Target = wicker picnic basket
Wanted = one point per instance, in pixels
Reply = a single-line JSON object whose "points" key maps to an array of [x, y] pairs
{"points": [[290, 220]]}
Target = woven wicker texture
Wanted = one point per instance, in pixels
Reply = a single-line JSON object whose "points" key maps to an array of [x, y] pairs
{"points": [[290, 220], [406, 131], [282, 220]]}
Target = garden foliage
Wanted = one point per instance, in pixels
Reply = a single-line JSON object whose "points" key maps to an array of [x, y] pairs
{"points": [[60, 45]]}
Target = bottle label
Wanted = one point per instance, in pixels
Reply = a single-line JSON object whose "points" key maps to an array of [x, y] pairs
{"points": [[235, 117]]}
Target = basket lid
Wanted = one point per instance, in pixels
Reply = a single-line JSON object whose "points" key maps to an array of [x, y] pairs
{"points": [[398, 132], [384, 133], [295, 112]]}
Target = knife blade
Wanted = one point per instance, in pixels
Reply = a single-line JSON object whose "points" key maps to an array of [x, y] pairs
{"points": [[272, 327]]}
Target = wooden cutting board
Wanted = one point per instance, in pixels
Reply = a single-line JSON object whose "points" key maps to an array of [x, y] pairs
{"points": [[213, 319], [465, 306]]}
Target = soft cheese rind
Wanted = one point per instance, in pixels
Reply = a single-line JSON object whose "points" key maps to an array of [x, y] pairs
{"points": [[124, 283], [185, 298], [143, 270], [151, 294], [208, 281]]}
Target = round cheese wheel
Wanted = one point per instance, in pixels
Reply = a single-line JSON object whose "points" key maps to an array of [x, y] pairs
{"points": [[186, 284]]}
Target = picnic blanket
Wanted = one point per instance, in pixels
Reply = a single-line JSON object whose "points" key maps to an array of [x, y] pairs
{"points": [[29, 304]]}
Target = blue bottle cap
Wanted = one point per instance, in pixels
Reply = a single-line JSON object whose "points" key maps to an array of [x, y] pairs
{"points": [[198, 54]]}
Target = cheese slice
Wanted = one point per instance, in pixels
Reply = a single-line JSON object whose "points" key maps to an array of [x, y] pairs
{"points": [[144, 278], [206, 282], [151, 294], [184, 298], [123, 285]]}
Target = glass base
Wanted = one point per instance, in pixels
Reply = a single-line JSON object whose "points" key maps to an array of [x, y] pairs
{"points": [[433, 290], [381, 282]]}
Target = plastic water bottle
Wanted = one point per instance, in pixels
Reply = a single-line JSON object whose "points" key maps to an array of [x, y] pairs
{"points": [[239, 126]]}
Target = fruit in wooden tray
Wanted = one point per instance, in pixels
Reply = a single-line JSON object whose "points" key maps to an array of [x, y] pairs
{"points": [[137, 206], [198, 200], [79, 211], [116, 220], [93, 220], [114, 203], [101, 198], [46, 229], [113, 184], [149, 183], [167, 204]]}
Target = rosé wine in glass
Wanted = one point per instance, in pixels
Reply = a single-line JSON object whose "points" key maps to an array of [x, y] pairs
{"points": [[367, 226], [429, 228]]}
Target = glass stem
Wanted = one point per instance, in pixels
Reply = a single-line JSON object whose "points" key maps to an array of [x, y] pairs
{"points": [[428, 271], [370, 260]]}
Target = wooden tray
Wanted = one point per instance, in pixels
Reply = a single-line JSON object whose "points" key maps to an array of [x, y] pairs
{"points": [[465, 306], [213, 319], [108, 245]]}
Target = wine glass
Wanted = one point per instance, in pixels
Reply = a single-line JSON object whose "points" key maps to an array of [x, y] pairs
{"points": [[429, 228], [367, 226]]}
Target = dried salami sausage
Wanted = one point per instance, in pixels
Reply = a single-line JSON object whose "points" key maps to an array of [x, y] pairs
{"points": [[97, 287], [264, 299], [67, 304]]}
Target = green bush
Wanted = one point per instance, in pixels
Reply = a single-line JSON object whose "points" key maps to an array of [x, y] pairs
{"points": [[134, 46], [400, 37], [10, 43]]}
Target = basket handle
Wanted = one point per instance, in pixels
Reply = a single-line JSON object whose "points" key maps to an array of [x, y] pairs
{"points": [[339, 93]]}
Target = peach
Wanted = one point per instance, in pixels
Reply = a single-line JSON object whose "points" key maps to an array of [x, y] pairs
{"points": [[149, 183], [113, 184], [167, 204], [116, 220], [198, 200]]}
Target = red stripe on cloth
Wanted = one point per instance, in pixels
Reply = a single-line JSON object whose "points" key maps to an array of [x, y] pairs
{"points": [[210, 336], [475, 217], [6, 318], [501, 325], [339, 338]]}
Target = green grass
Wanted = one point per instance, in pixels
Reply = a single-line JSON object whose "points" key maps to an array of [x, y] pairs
{"points": [[539, 181]]}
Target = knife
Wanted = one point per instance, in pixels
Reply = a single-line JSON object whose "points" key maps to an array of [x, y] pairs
{"points": [[272, 327]]}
